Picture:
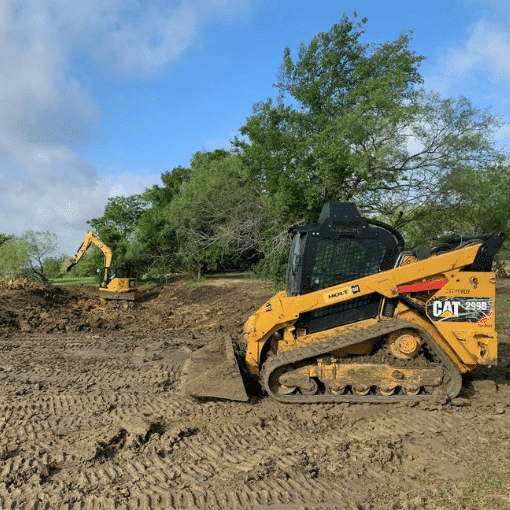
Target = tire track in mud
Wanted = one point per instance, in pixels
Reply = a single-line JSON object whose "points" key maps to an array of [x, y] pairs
{"points": [[152, 475], [60, 363], [231, 451], [119, 436]]}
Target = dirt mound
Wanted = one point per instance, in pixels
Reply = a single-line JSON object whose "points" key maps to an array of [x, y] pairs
{"points": [[48, 309]]}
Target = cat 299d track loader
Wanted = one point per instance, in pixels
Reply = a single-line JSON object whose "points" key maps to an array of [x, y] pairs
{"points": [[362, 320]]}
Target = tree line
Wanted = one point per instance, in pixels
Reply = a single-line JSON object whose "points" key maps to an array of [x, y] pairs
{"points": [[350, 122]]}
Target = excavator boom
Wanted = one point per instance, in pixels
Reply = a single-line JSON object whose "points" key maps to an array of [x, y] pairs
{"points": [[90, 238]]}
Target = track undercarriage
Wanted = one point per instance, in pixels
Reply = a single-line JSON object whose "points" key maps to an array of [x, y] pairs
{"points": [[416, 369]]}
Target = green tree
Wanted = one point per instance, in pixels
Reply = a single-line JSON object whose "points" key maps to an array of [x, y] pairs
{"points": [[478, 201], [14, 258], [89, 263], [54, 266], [6, 237], [154, 252], [470, 201], [119, 218], [39, 244], [117, 229], [357, 129], [350, 101], [221, 217], [173, 181]]}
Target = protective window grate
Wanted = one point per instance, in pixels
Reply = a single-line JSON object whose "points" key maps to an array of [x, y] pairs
{"points": [[354, 310], [342, 260]]}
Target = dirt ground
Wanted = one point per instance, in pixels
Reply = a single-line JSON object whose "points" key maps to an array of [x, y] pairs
{"points": [[92, 417]]}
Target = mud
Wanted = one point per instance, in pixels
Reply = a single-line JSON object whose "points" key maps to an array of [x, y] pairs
{"points": [[93, 416]]}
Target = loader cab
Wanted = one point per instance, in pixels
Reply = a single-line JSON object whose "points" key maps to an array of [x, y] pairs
{"points": [[341, 247]]}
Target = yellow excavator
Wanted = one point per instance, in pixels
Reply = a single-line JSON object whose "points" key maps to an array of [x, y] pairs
{"points": [[114, 282], [361, 319]]}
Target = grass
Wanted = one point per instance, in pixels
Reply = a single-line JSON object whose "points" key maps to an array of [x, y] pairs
{"points": [[488, 486], [191, 281], [70, 280], [245, 275], [503, 308]]}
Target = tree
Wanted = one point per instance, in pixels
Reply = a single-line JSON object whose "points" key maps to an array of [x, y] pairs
{"points": [[14, 258], [450, 138], [221, 217], [119, 218], [156, 240], [469, 201], [358, 130], [89, 263], [54, 266], [173, 183], [478, 201], [39, 244], [6, 237]]}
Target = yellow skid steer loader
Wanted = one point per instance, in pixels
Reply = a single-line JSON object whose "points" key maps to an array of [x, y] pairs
{"points": [[361, 319]]}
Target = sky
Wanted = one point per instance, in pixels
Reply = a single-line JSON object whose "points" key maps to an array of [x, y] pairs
{"points": [[98, 98]]}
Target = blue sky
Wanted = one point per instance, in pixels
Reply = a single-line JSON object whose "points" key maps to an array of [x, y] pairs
{"points": [[97, 98]]}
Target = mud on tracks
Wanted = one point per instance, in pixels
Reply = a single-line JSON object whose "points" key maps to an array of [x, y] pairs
{"points": [[91, 416]]}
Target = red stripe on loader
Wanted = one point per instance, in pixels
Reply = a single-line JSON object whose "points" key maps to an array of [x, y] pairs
{"points": [[416, 287]]}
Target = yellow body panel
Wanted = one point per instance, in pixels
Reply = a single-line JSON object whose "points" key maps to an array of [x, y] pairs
{"points": [[474, 342], [119, 285]]}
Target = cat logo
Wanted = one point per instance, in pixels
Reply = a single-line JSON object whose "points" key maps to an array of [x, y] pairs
{"points": [[445, 309]]}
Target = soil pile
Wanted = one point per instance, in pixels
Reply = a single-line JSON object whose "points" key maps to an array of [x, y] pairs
{"points": [[178, 307]]}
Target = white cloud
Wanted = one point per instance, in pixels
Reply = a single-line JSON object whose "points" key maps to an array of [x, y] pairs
{"points": [[488, 48], [486, 53], [44, 109], [162, 35], [62, 205]]}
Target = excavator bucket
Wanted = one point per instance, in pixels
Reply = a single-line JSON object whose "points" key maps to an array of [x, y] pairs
{"points": [[68, 264], [213, 371]]}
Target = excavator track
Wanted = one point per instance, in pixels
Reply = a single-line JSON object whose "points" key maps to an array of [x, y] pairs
{"points": [[451, 380]]}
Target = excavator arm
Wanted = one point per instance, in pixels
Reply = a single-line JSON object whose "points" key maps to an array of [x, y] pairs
{"points": [[90, 238]]}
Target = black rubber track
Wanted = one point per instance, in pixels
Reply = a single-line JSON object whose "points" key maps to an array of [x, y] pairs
{"points": [[355, 337]]}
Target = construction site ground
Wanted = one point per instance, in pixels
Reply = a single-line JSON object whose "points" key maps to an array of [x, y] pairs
{"points": [[92, 417]]}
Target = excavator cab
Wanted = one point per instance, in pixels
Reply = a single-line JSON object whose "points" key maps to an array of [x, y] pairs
{"points": [[115, 280]]}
